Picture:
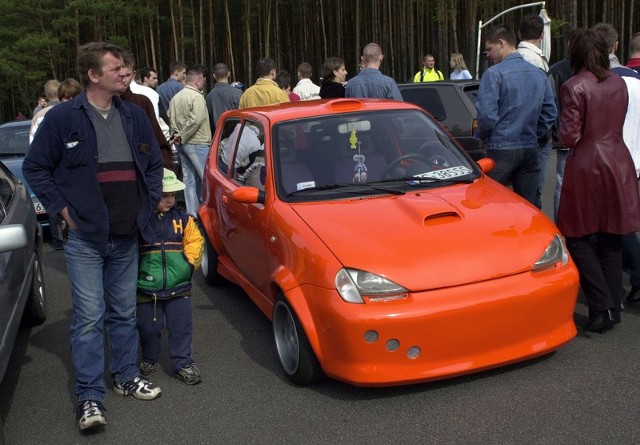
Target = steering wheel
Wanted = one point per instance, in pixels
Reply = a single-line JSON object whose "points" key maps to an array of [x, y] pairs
{"points": [[435, 155], [395, 163]]}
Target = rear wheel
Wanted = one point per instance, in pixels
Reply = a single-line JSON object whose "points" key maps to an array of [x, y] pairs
{"points": [[35, 313], [209, 264], [294, 351]]}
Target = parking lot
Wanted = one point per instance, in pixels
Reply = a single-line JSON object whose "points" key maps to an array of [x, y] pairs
{"points": [[586, 392]]}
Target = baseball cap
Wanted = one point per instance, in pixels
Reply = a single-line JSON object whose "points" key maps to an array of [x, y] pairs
{"points": [[170, 182]]}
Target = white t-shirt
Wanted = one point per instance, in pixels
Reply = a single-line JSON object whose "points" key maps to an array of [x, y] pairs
{"points": [[307, 90]]}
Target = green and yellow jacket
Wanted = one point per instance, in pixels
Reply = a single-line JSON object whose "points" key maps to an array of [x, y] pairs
{"points": [[166, 265]]}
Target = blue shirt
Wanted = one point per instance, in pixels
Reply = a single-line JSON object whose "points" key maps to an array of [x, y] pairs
{"points": [[167, 90], [515, 104], [371, 83]]}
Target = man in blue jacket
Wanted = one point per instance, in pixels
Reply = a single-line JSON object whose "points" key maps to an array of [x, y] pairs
{"points": [[370, 82], [95, 162], [516, 109]]}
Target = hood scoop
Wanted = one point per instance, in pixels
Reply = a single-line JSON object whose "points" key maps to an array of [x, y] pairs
{"points": [[440, 218]]}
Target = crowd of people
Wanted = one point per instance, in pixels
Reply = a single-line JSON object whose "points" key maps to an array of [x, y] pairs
{"points": [[101, 162]]}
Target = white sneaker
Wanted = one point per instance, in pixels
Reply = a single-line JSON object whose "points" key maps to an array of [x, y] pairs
{"points": [[90, 415], [139, 387]]}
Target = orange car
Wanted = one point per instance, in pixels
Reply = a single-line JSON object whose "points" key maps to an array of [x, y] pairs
{"points": [[380, 251]]}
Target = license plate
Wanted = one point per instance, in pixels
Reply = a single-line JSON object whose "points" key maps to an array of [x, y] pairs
{"points": [[37, 205]]}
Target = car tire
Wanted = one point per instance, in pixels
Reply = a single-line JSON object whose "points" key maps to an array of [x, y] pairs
{"points": [[35, 312], [209, 263], [296, 356]]}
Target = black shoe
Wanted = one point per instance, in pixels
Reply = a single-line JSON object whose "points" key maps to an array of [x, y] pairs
{"points": [[634, 295], [600, 322]]}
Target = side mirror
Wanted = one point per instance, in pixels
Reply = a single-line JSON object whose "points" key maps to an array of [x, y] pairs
{"points": [[13, 237], [486, 164], [248, 195]]}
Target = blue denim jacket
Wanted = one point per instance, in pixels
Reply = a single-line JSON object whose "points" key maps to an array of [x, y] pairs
{"points": [[62, 163], [371, 83], [515, 104]]}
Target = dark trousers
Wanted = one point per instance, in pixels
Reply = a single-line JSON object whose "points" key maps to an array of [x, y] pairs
{"points": [[599, 261], [631, 258], [520, 168], [177, 311]]}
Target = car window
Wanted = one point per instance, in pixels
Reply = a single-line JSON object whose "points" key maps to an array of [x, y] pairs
{"points": [[227, 144], [472, 94], [7, 189], [427, 98], [242, 152], [319, 157], [14, 140]]}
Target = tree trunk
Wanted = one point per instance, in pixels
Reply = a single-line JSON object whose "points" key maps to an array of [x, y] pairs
{"points": [[174, 32]]}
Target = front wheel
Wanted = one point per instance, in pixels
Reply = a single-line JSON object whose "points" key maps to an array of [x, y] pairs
{"points": [[294, 351], [209, 263]]}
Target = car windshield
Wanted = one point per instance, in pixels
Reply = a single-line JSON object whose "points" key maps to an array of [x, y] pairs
{"points": [[14, 140], [374, 152]]}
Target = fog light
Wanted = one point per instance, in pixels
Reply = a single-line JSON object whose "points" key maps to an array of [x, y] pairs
{"points": [[413, 352], [371, 336], [392, 345]]}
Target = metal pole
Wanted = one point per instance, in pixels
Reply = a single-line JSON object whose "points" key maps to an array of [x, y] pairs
{"points": [[478, 51], [482, 25]]}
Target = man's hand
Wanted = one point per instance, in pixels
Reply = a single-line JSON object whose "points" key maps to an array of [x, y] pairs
{"points": [[175, 139], [65, 215]]}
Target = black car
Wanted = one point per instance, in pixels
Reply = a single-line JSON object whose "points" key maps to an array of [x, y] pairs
{"points": [[452, 103], [22, 292]]}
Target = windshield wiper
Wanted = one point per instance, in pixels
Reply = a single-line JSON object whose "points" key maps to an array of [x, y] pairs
{"points": [[362, 188], [427, 179]]}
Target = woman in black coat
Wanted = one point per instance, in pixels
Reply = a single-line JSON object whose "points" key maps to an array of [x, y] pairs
{"points": [[334, 76]]}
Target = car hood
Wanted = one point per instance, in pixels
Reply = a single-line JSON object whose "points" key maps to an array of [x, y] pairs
{"points": [[434, 238]]}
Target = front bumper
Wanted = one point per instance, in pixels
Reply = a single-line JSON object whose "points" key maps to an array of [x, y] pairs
{"points": [[441, 333]]}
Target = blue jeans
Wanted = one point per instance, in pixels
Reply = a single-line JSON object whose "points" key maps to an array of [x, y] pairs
{"points": [[561, 161], [518, 167], [103, 288], [193, 158], [544, 155]]}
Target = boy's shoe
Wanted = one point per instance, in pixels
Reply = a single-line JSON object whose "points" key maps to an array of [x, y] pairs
{"points": [[189, 374], [147, 368], [139, 387], [90, 414]]}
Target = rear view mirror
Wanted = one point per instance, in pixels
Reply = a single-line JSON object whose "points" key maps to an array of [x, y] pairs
{"points": [[358, 126]]}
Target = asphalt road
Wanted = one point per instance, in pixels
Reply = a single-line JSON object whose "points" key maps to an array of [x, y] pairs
{"points": [[587, 392]]}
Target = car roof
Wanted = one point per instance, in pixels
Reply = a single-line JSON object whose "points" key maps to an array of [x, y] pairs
{"points": [[463, 83], [323, 107], [20, 123]]}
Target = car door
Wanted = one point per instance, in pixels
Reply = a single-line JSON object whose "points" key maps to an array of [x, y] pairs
{"points": [[14, 260], [243, 226]]}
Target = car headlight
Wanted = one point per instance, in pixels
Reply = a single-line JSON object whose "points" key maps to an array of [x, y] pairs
{"points": [[353, 285], [556, 252]]}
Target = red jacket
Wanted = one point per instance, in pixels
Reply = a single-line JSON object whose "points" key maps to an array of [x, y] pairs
{"points": [[600, 187], [634, 63]]}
